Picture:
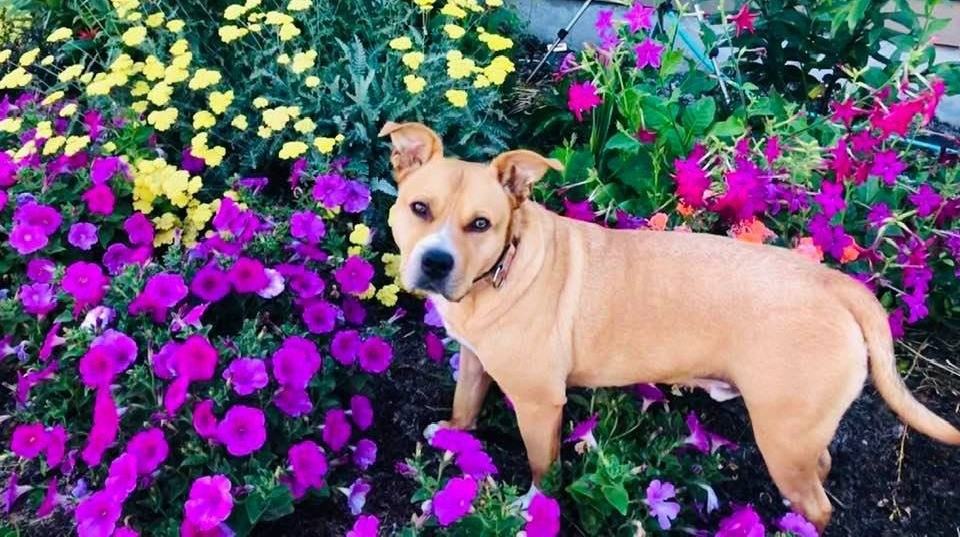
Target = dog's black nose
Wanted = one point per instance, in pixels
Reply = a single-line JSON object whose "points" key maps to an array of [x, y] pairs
{"points": [[436, 264]]}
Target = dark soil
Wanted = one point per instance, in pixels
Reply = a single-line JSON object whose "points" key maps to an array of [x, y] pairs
{"points": [[886, 480]]}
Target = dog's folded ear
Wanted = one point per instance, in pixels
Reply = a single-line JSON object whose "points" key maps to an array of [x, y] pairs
{"points": [[518, 170], [414, 144]]}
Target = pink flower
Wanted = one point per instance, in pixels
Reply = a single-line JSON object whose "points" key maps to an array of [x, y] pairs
{"points": [[639, 17], [125, 532], [435, 350], [248, 275], [657, 500], [139, 229], [37, 298], [121, 347], [345, 346], [150, 449], [100, 200], [797, 525], [195, 359], [162, 292], [210, 502], [476, 464], [163, 361], [354, 275], [309, 467], [703, 440], [361, 411], [692, 180], [578, 210], [336, 429], [307, 226], [455, 441], [176, 395], [204, 420], [744, 522], [242, 430], [365, 526], [296, 362], [365, 454], [56, 446], [49, 499], [50, 342], [106, 424], [27, 239], [320, 317], [454, 500], [97, 367], [246, 375], [375, 355], [85, 282], [583, 431], [649, 54], [122, 477], [649, 394], [543, 517], [293, 401], [898, 119], [743, 20], [97, 515], [845, 112], [28, 440], [210, 283], [926, 200], [582, 97], [888, 166], [40, 270], [45, 217], [102, 169]]}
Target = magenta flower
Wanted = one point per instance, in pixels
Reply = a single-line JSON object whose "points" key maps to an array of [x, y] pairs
{"points": [[454, 500], [122, 348], [476, 464], [51, 341], [242, 430], [97, 515], [162, 292], [703, 440], [293, 401], [83, 235], [583, 431], [210, 502], [307, 226], [692, 180], [275, 284], [353, 311], [56, 446], [246, 375], [100, 200], [649, 54], [106, 425], [163, 362], [897, 119], [336, 429], [582, 97], [435, 349], [604, 23], [744, 522], [543, 517], [176, 395], [896, 320], [455, 441], [38, 299], [26, 239], [345, 346], [796, 524], [210, 283], [97, 367], [887, 165], [102, 169], [330, 190], [40, 270], [657, 500], [354, 275], [248, 275], [85, 282], [879, 214], [309, 467], [204, 420], [45, 217], [320, 317], [365, 454], [50, 500], [356, 198], [28, 440], [375, 355], [361, 411], [93, 123], [139, 229], [304, 282], [150, 449], [122, 477], [357, 496], [639, 17], [743, 20], [365, 526], [195, 359], [926, 200], [845, 112], [125, 532], [830, 198], [863, 142], [296, 362], [579, 210]]}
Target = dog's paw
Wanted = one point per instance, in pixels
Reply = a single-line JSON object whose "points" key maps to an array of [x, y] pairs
{"points": [[523, 502], [433, 428]]}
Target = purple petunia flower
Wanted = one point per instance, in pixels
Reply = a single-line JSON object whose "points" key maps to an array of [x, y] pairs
{"points": [[83, 235], [150, 449], [375, 355], [40, 270], [26, 239], [476, 464], [454, 500], [308, 466], [744, 522], [320, 317], [102, 169], [657, 500], [356, 198], [307, 226], [649, 394], [246, 375], [336, 429], [242, 430], [293, 401], [455, 441], [365, 526], [98, 514], [38, 298], [345, 346], [139, 229], [361, 411], [365, 454], [583, 431], [210, 283], [357, 496], [210, 502], [796, 524], [543, 517], [330, 190], [354, 275], [295, 362], [248, 275]]}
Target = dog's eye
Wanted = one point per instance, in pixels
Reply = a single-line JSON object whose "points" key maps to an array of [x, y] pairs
{"points": [[480, 224], [420, 209]]}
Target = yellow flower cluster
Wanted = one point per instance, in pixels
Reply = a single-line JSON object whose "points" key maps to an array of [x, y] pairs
{"points": [[155, 179]]}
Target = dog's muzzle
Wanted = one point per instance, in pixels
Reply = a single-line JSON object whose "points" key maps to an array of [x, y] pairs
{"points": [[435, 268]]}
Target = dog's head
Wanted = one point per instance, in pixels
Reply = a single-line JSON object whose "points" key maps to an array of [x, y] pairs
{"points": [[452, 219]]}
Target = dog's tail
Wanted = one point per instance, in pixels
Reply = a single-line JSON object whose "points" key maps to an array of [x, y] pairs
{"points": [[872, 318]]}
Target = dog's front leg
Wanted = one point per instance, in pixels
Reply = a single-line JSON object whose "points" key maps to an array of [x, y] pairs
{"points": [[473, 383], [540, 428]]}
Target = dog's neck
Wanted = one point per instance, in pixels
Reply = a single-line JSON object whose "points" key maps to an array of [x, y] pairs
{"points": [[485, 301]]}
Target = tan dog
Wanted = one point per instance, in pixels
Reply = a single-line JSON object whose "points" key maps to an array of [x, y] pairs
{"points": [[540, 302]]}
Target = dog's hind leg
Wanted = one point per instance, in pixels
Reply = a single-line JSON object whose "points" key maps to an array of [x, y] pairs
{"points": [[473, 383]]}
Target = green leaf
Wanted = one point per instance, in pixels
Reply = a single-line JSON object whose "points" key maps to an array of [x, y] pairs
{"points": [[618, 497], [728, 128], [698, 117], [622, 142], [857, 10], [671, 63]]}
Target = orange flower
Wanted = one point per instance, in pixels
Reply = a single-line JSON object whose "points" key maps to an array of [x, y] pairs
{"points": [[808, 249], [752, 231], [685, 210], [850, 253], [658, 222]]}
